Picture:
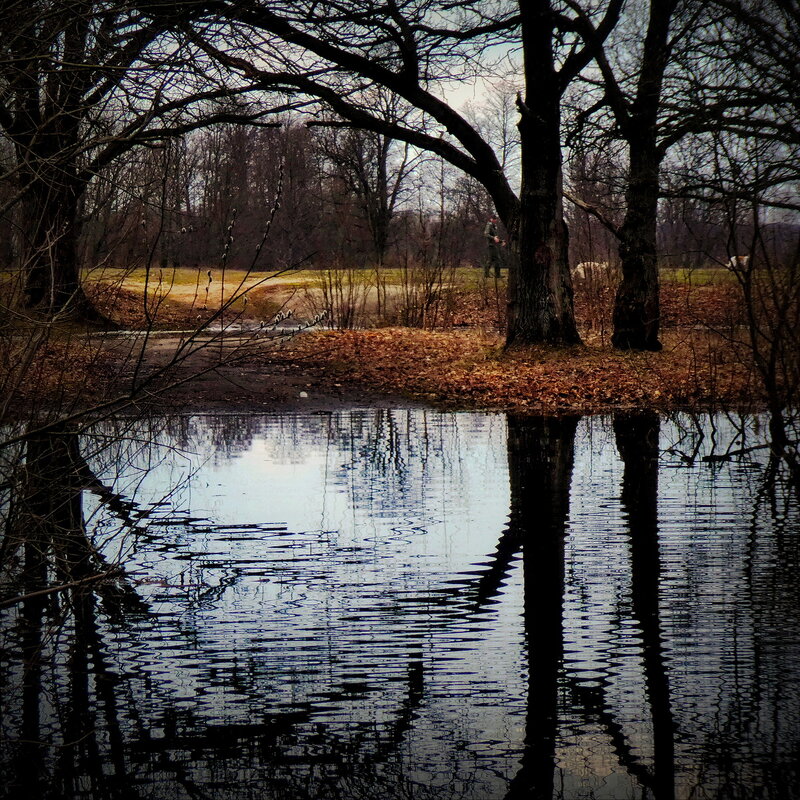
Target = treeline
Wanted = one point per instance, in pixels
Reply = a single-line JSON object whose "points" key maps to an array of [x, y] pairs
{"points": [[656, 131], [329, 197], [325, 197]]}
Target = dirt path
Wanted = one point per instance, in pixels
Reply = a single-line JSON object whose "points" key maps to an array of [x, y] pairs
{"points": [[379, 368]]}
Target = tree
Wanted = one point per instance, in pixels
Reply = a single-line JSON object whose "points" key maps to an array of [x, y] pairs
{"points": [[540, 462], [416, 49], [743, 172], [701, 70], [81, 83], [636, 309], [370, 168], [637, 109]]}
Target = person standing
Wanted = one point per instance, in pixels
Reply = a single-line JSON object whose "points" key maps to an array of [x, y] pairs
{"points": [[493, 244]]}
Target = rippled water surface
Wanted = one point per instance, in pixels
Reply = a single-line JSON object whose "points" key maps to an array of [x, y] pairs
{"points": [[401, 604]]}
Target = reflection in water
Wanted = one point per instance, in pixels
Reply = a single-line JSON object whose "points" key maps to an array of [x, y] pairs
{"points": [[637, 436], [398, 604], [540, 457]]}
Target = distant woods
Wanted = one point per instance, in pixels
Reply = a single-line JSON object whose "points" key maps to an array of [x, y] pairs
{"points": [[348, 198], [345, 198], [154, 134]]}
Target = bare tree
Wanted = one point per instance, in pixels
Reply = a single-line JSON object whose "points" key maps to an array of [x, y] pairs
{"points": [[373, 168], [754, 231], [700, 70], [631, 81], [415, 49], [745, 171], [81, 83]]}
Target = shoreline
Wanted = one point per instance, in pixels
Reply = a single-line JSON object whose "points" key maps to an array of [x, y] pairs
{"points": [[464, 370]]}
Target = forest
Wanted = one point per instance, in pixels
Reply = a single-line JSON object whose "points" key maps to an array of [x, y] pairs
{"points": [[656, 141], [219, 167]]}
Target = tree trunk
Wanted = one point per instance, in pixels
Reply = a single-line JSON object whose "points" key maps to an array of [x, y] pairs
{"points": [[47, 93], [48, 245], [636, 308], [381, 215], [49, 251], [540, 301]]}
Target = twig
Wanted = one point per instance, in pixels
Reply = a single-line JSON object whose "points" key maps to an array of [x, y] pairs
{"points": [[742, 451], [12, 601]]}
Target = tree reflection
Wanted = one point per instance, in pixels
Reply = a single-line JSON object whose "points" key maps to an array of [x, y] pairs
{"points": [[540, 453], [378, 690], [637, 437], [540, 459], [58, 570], [75, 729]]}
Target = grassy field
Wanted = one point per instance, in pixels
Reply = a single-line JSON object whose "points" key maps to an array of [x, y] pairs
{"points": [[185, 281], [353, 298], [698, 276], [350, 297]]}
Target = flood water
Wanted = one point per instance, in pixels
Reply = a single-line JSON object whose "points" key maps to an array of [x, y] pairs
{"points": [[400, 604]]}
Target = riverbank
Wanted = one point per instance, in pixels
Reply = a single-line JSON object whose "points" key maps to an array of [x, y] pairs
{"points": [[460, 365], [466, 369], [471, 369]]}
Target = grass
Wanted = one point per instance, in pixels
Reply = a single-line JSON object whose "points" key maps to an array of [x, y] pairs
{"points": [[356, 296], [183, 279], [183, 297], [698, 276]]}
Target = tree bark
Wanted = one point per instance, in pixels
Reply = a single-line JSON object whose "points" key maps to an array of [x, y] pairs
{"points": [[49, 249], [44, 122], [48, 241], [540, 299], [636, 307]]}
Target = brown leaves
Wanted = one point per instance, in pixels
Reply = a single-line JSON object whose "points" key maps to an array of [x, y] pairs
{"points": [[125, 306], [469, 369]]}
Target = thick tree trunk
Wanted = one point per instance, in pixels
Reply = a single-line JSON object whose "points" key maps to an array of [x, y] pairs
{"points": [[49, 250], [48, 243], [540, 301], [636, 308], [46, 131]]}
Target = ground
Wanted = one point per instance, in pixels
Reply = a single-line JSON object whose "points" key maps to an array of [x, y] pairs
{"points": [[459, 363]]}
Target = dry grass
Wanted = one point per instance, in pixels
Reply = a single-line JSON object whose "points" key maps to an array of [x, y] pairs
{"points": [[182, 298]]}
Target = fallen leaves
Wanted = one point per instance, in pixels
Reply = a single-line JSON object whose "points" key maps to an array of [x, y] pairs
{"points": [[470, 369]]}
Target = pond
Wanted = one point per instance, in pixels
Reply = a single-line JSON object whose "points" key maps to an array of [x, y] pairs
{"points": [[400, 604]]}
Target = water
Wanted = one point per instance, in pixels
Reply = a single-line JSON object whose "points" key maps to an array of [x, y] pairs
{"points": [[392, 604]]}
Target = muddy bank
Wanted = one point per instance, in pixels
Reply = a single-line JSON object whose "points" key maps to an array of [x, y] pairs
{"points": [[466, 370], [261, 385], [242, 375]]}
